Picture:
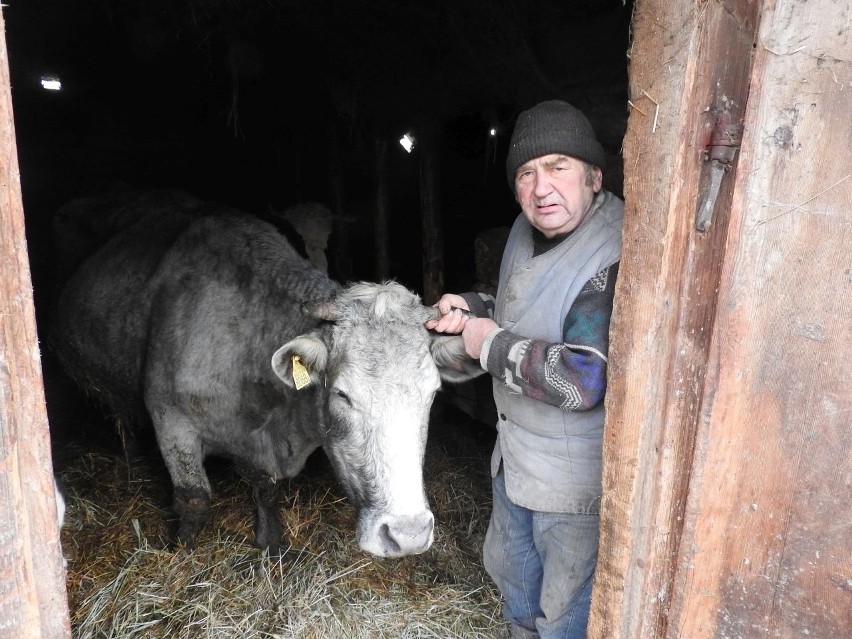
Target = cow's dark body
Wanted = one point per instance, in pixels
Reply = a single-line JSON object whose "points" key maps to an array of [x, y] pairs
{"points": [[192, 319], [82, 226]]}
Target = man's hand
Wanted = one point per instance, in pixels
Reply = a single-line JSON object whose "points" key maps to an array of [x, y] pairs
{"points": [[452, 321]]}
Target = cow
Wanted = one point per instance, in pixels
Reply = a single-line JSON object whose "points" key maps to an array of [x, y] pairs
{"points": [[59, 494], [313, 222], [214, 330], [84, 224]]}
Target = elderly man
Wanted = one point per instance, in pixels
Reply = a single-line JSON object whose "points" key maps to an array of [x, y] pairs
{"points": [[544, 340]]}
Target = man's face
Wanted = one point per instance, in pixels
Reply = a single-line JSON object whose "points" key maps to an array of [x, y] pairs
{"points": [[556, 192]]}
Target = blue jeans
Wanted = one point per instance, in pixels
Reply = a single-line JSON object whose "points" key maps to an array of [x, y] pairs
{"points": [[544, 565]]}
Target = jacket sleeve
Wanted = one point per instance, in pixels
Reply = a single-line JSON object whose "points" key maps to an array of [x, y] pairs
{"points": [[570, 374], [480, 304]]}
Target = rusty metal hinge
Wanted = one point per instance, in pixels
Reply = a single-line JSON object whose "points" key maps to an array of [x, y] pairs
{"points": [[720, 153]]}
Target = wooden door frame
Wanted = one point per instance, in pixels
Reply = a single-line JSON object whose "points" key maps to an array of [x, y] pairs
{"points": [[699, 507], [33, 601]]}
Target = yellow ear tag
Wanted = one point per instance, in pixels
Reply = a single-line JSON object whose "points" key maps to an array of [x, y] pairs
{"points": [[301, 377]]}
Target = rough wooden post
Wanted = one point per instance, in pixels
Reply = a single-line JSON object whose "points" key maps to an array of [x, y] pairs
{"points": [[430, 210], [341, 267], [766, 548], [381, 237], [666, 299], [726, 474], [33, 602]]}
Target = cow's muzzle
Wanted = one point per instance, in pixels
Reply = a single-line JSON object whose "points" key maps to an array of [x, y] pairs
{"points": [[396, 535]]}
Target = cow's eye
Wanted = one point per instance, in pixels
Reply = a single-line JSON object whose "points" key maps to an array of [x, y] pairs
{"points": [[343, 396]]}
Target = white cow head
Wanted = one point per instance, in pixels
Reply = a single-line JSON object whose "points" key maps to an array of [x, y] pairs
{"points": [[380, 369]]}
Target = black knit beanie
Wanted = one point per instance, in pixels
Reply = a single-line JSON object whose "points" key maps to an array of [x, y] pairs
{"points": [[549, 127]]}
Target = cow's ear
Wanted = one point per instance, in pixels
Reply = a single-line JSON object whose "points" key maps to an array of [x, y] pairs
{"points": [[301, 361], [453, 362]]}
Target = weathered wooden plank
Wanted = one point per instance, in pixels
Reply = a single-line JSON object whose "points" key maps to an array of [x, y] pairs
{"points": [[689, 64], [32, 581], [767, 547], [431, 213], [381, 219]]}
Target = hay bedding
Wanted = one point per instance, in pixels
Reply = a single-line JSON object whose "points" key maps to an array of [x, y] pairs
{"points": [[125, 582]]}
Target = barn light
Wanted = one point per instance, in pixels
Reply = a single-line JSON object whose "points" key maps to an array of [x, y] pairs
{"points": [[492, 132], [51, 83], [407, 141]]}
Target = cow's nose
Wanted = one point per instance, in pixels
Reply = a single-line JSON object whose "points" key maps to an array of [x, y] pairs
{"points": [[402, 535], [408, 535]]}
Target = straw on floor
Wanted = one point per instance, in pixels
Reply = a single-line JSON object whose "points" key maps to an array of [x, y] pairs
{"points": [[125, 581]]}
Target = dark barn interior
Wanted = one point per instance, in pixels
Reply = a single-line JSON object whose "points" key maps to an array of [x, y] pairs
{"points": [[263, 105]]}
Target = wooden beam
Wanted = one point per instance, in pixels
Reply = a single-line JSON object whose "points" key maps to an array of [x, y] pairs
{"points": [[33, 603], [429, 132], [689, 66], [766, 549], [381, 218]]}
